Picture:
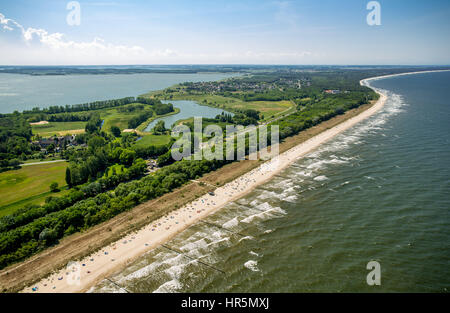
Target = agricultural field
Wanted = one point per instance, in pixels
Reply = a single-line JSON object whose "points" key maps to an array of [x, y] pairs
{"points": [[30, 184]]}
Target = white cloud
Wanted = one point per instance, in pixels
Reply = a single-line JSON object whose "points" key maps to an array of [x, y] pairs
{"points": [[39, 42], [33, 46]]}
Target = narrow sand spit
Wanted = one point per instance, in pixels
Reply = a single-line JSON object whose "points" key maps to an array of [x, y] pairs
{"points": [[99, 265]]}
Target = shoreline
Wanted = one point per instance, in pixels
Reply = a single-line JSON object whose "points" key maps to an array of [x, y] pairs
{"points": [[400, 74], [97, 266], [104, 262]]}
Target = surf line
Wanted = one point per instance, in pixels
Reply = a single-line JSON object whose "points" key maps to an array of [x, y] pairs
{"points": [[224, 228], [201, 262], [270, 211]]}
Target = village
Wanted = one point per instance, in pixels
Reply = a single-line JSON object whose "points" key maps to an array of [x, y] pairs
{"points": [[56, 143], [233, 85]]}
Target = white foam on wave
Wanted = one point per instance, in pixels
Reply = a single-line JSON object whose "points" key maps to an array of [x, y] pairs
{"points": [[220, 241], [287, 195], [246, 238], [252, 265], [321, 164], [231, 223], [250, 219], [320, 178], [171, 286], [217, 234], [142, 272], [195, 245], [266, 210], [175, 271], [178, 259]]}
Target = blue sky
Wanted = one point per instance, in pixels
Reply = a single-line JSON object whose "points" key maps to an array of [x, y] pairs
{"points": [[224, 32]]}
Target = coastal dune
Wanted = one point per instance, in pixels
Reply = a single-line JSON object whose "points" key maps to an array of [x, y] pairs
{"points": [[85, 273]]}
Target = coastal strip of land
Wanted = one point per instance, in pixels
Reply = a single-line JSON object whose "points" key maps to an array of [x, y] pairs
{"points": [[365, 81], [97, 266]]}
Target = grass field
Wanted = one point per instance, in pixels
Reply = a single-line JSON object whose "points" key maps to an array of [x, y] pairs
{"points": [[155, 140], [38, 200], [113, 117], [59, 128], [267, 108], [30, 183]]}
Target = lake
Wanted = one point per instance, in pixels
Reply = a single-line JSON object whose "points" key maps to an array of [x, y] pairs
{"points": [[187, 109], [24, 92]]}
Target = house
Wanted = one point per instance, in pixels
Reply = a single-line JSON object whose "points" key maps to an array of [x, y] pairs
{"points": [[332, 91], [58, 142], [46, 142]]}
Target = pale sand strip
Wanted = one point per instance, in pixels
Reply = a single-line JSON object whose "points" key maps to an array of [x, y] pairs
{"points": [[117, 255], [364, 81]]}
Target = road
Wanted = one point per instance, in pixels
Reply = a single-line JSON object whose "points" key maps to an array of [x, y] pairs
{"points": [[43, 162]]}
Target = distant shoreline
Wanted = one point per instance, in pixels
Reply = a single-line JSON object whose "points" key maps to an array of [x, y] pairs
{"points": [[400, 74]]}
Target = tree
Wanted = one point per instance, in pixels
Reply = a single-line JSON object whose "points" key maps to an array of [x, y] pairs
{"points": [[51, 148], [14, 163], [127, 157], [68, 177], [115, 131], [159, 128], [54, 187], [96, 142], [48, 235]]}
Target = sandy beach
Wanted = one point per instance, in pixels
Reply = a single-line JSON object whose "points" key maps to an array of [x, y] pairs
{"points": [[364, 81], [98, 266]]}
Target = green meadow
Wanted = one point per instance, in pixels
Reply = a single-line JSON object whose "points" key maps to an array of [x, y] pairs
{"points": [[267, 108], [113, 117], [30, 184], [155, 140], [58, 128]]}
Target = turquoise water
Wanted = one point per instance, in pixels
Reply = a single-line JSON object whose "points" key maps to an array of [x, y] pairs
{"points": [[380, 191], [187, 109], [24, 92]]}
